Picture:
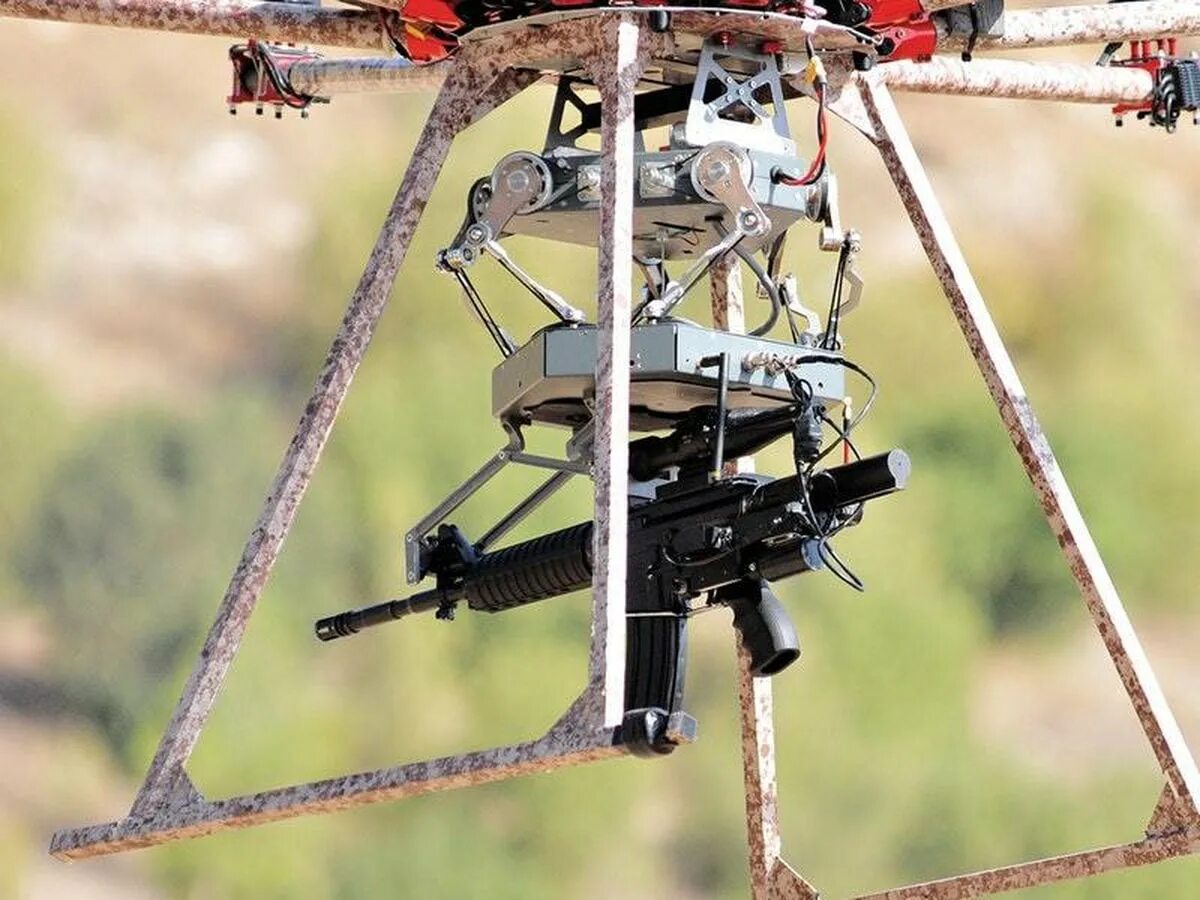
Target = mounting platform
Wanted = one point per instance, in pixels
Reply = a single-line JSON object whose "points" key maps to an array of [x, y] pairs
{"points": [[670, 218], [551, 379]]}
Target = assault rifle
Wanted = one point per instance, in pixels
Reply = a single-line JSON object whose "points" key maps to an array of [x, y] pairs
{"points": [[724, 539]]}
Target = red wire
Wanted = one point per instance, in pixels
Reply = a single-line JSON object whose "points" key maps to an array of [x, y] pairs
{"points": [[818, 162]]}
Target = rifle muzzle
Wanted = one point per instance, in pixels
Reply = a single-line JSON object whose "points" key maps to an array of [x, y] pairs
{"points": [[353, 621]]}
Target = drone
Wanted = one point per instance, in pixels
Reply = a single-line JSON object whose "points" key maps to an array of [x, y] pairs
{"points": [[720, 188], [699, 177]]}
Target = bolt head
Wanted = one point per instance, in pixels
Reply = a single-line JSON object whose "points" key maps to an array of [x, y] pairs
{"points": [[717, 169], [517, 181]]}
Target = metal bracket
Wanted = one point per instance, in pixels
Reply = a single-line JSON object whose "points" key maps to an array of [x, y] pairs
{"points": [[520, 184], [738, 113], [512, 452], [721, 174]]}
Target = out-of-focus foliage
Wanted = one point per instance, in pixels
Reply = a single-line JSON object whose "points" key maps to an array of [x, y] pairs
{"points": [[118, 532], [24, 179]]}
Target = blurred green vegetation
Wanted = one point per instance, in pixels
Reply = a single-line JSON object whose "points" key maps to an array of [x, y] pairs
{"points": [[118, 531], [24, 188]]}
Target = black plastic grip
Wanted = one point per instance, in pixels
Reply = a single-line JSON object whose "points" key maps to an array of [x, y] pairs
{"points": [[767, 631], [547, 566]]}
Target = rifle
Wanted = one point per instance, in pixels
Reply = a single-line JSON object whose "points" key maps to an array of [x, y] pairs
{"points": [[725, 539]]}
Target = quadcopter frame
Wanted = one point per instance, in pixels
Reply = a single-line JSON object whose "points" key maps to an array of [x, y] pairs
{"points": [[615, 49]]}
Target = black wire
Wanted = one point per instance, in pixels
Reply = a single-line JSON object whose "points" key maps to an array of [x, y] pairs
{"points": [[775, 256], [843, 438], [695, 560], [801, 388], [853, 367], [810, 514], [493, 328], [281, 83], [841, 570], [803, 392], [791, 320], [765, 280], [833, 320], [828, 555]]}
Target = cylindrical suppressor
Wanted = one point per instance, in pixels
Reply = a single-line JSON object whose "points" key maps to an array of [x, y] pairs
{"points": [[561, 562]]}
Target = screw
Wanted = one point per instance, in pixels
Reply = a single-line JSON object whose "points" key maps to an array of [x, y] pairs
{"points": [[517, 181], [716, 170]]}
